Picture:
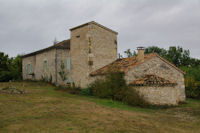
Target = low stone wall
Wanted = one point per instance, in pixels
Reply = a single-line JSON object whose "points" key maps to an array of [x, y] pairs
{"points": [[165, 95]]}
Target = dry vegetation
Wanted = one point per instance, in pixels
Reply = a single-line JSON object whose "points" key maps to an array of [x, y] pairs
{"points": [[44, 110]]}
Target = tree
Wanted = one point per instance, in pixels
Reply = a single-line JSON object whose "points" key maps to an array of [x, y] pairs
{"points": [[10, 68], [129, 53]]}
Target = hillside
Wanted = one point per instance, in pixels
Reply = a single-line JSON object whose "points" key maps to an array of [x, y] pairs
{"points": [[44, 110]]}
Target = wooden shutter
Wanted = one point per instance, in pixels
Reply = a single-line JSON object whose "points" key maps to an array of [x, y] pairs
{"points": [[30, 68], [68, 64]]}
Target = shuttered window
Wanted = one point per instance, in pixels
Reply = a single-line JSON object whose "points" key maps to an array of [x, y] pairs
{"points": [[68, 64]]}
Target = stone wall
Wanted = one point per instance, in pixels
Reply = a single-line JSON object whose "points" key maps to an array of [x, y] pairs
{"points": [[158, 95], [42, 71], [62, 56], [158, 67], [91, 43]]}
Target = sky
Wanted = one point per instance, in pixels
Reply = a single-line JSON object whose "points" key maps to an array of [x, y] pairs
{"points": [[30, 25]]}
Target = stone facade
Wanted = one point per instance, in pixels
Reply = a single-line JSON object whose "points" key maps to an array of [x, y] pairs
{"points": [[158, 95], [92, 46], [158, 67]]}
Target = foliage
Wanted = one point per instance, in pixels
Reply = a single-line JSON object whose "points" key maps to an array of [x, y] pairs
{"points": [[176, 55], [86, 91], [62, 72], [10, 68], [114, 86], [129, 53], [192, 81]]}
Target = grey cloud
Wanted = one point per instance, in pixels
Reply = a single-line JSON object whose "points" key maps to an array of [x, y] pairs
{"points": [[29, 25]]}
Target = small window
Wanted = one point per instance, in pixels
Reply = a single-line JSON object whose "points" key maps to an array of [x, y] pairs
{"points": [[115, 42], [90, 63], [77, 36]]}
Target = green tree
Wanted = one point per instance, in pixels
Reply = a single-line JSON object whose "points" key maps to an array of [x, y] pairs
{"points": [[10, 68], [128, 53]]}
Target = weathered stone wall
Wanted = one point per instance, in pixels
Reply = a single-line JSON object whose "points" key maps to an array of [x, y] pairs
{"points": [[94, 43], [160, 68], [41, 71], [48, 73], [62, 56], [158, 95], [28, 60]]}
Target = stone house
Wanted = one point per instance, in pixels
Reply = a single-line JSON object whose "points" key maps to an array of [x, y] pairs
{"points": [[91, 51], [159, 81], [90, 47]]}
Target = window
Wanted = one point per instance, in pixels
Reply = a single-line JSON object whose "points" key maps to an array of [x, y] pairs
{"points": [[90, 61], [68, 64], [89, 46], [115, 42], [77, 36], [26, 68], [45, 65]]}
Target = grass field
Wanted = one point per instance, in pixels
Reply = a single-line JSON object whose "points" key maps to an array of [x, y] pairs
{"points": [[44, 110]]}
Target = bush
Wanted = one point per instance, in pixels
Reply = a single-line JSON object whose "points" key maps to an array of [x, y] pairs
{"points": [[86, 92], [132, 97], [114, 86], [192, 87]]}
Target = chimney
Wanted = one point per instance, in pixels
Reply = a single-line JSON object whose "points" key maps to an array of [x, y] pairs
{"points": [[140, 56]]}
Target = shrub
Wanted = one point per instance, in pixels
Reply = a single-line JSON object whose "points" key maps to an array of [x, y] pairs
{"points": [[114, 86], [132, 97], [192, 87], [86, 91]]}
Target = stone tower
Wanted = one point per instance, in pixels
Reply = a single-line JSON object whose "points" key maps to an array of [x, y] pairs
{"points": [[92, 47]]}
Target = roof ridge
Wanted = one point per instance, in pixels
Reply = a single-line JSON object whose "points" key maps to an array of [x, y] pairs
{"points": [[93, 22]]}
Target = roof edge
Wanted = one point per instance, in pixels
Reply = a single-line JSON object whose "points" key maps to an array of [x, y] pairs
{"points": [[44, 49], [93, 22]]}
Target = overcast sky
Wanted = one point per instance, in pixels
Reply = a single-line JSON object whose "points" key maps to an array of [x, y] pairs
{"points": [[29, 25]]}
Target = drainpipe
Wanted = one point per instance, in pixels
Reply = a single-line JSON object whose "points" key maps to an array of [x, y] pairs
{"points": [[56, 65]]}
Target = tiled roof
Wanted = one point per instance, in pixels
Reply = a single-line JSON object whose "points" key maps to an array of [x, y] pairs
{"points": [[61, 45], [126, 63], [152, 80]]}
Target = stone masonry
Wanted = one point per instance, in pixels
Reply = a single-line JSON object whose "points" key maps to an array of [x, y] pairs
{"points": [[92, 46]]}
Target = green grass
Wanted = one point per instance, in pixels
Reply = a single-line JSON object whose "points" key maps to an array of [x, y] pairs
{"points": [[43, 109]]}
